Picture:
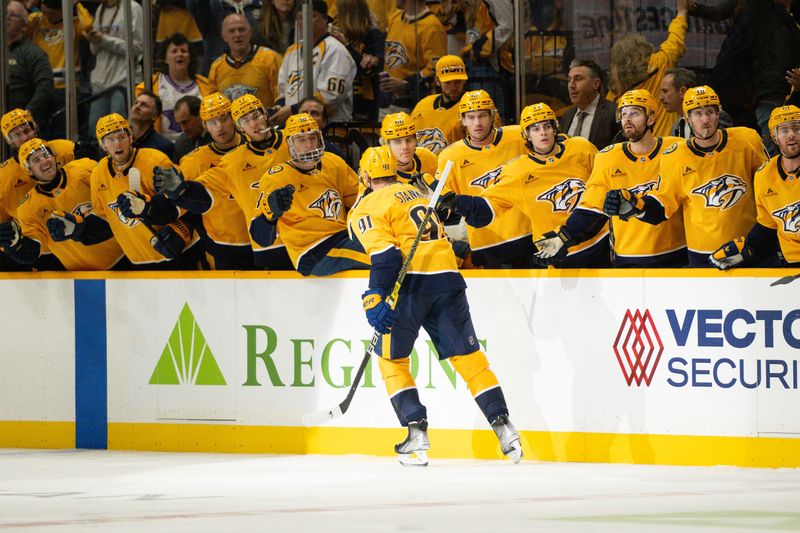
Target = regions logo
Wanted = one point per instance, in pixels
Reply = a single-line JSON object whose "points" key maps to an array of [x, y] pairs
{"points": [[186, 358], [638, 347], [724, 191], [790, 217], [564, 196], [432, 139], [395, 55], [487, 180], [329, 203]]}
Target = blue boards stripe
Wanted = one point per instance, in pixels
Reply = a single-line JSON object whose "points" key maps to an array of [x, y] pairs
{"points": [[91, 421]]}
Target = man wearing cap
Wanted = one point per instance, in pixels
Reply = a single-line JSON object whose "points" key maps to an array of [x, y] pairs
{"points": [[436, 116], [245, 68], [334, 71]]}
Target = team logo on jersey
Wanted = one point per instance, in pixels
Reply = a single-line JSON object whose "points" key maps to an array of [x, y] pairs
{"points": [[238, 89], [329, 203], [671, 148], [790, 216], [724, 191], [564, 196], [254, 185], [432, 139], [643, 188], [488, 179], [52, 36], [83, 209], [275, 169], [607, 149], [131, 223], [395, 55], [293, 82]]}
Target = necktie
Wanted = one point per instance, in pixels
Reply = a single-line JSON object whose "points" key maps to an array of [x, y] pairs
{"points": [[579, 127]]}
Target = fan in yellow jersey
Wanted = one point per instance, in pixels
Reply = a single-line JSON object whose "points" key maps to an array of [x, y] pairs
{"points": [[236, 177], [19, 127], [225, 236], [304, 201], [777, 192], [414, 164], [546, 185], [432, 296], [122, 184], [634, 165], [710, 176], [436, 116], [60, 189], [477, 162], [46, 30]]}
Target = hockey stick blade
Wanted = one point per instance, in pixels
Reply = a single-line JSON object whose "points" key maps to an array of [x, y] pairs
{"points": [[784, 280], [324, 416]]}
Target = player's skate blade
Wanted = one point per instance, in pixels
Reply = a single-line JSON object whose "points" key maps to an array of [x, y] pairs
{"points": [[413, 450], [509, 438]]}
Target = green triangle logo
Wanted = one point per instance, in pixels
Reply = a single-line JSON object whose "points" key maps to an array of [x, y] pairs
{"points": [[187, 359]]}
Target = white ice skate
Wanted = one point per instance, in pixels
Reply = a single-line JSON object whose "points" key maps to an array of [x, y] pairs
{"points": [[413, 450], [509, 438]]}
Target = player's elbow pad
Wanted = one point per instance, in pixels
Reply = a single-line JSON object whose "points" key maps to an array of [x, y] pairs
{"points": [[385, 267]]}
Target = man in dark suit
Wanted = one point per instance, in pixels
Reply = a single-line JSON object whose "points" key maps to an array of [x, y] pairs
{"points": [[592, 116]]}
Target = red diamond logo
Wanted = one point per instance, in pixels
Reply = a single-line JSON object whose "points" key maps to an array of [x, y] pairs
{"points": [[638, 347]]}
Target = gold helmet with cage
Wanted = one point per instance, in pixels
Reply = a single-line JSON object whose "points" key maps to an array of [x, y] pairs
{"points": [[301, 124]]}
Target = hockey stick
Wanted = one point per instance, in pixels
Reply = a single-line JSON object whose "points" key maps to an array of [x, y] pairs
{"points": [[784, 280], [326, 415]]}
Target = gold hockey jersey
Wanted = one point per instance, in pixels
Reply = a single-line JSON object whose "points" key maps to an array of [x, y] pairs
{"points": [[413, 44], [71, 195], [618, 167], [778, 205], [256, 74], [714, 186]]}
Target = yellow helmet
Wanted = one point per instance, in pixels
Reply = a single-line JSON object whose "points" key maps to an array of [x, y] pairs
{"points": [[475, 101], [303, 123], [28, 148], [377, 162], [14, 118], [214, 105], [397, 125], [244, 105], [699, 97], [450, 68], [109, 123], [782, 115], [300, 123], [639, 98], [536, 113]]}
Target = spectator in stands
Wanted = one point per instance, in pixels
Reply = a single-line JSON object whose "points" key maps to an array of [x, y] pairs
{"points": [[488, 52], [436, 116], [674, 85], [108, 43], [414, 40], [46, 29], [30, 78], [636, 65], [356, 29], [187, 115], [173, 17], [145, 111], [316, 109], [591, 116], [276, 29], [177, 79], [245, 68], [334, 72]]}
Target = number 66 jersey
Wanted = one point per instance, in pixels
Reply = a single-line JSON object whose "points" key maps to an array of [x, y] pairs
{"points": [[386, 222]]}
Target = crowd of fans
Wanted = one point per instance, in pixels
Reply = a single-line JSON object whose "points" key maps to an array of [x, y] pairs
{"points": [[205, 169]]}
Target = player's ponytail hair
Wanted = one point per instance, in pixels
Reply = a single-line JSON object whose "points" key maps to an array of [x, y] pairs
{"points": [[629, 58]]}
